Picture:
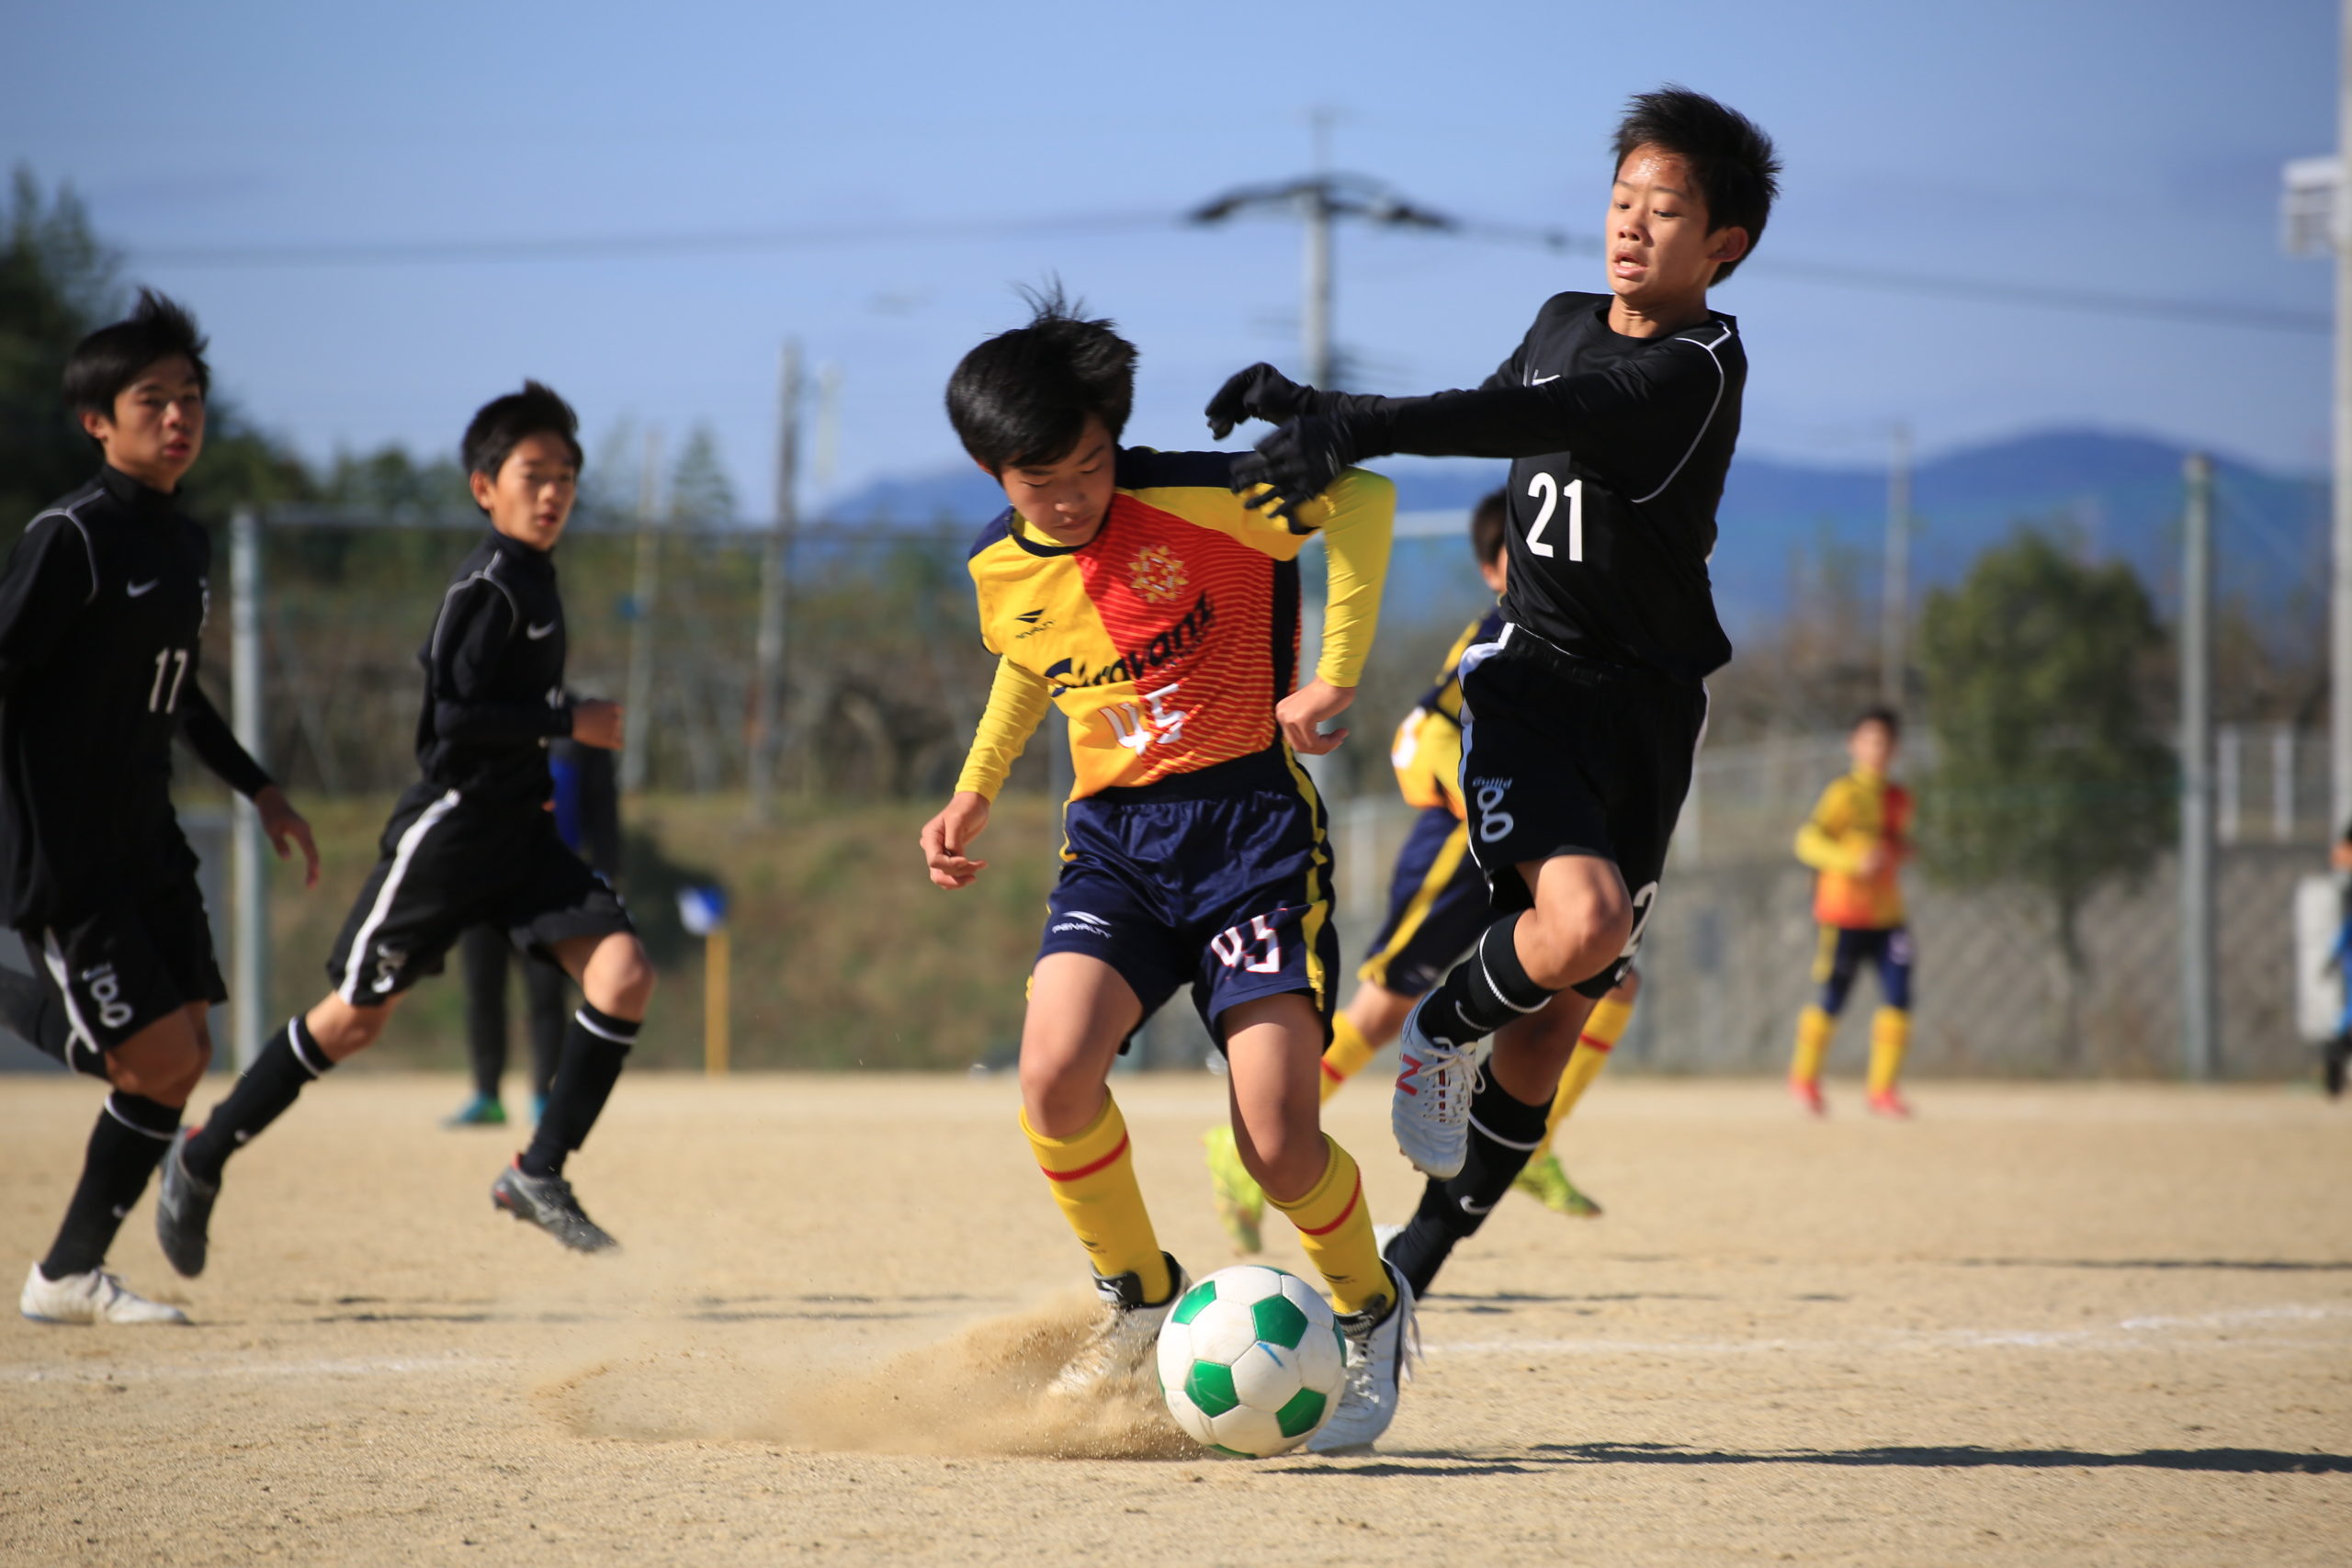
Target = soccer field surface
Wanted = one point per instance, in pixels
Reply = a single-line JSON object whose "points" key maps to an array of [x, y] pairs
{"points": [[2079, 1324]]}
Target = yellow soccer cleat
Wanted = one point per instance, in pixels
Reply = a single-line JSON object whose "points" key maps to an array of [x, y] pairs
{"points": [[1542, 1179], [1240, 1201]]}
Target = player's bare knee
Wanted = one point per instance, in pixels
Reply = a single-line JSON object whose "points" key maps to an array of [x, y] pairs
{"points": [[621, 979], [1058, 1099], [1288, 1160]]}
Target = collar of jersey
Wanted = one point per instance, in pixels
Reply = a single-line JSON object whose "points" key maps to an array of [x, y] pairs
{"points": [[1015, 523], [142, 500], [521, 554]]}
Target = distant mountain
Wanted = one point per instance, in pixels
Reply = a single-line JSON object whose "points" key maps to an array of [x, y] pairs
{"points": [[1781, 521]]}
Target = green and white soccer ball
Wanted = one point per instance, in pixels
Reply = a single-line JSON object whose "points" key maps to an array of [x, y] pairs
{"points": [[1251, 1360]]}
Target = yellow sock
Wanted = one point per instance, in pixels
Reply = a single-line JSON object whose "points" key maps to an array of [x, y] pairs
{"points": [[1601, 1032], [1345, 1057], [1814, 1030], [1092, 1174], [1890, 1035], [1335, 1227]]}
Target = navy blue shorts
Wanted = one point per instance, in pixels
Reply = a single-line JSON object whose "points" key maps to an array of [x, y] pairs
{"points": [[1438, 903], [1843, 953], [1220, 879]]}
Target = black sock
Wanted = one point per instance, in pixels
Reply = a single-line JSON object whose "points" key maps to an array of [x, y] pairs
{"points": [[286, 1065], [543, 988], [483, 952], [125, 1147], [1485, 991], [593, 1048], [1504, 1131]]}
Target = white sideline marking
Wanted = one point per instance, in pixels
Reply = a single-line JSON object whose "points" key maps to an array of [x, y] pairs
{"points": [[86, 1373], [2129, 1334]]}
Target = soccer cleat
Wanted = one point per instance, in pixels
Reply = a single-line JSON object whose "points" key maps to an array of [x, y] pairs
{"points": [[546, 1202], [2335, 1056], [1889, 1102], [95, 1297], [1124, 1339], [1542, 1179], [1429, 1112], [1381, 1352], [1808, 1094], [184, 1209], [1240, 1201], [479, 1112]]}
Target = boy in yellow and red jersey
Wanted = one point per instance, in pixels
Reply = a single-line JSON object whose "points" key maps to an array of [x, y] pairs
{"points": [[1160, 611], [1857, 839], [1438, 903]]}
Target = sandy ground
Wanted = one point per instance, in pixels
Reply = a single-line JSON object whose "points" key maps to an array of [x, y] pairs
{"points": [[2041, 1325]]}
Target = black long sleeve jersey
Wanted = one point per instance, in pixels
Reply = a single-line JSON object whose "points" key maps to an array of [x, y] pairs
{"points": [[493, 678], [1618, 446], [103, 602]]}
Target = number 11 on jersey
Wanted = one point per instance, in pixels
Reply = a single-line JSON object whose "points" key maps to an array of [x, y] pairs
{"points": [[1549, 491]]}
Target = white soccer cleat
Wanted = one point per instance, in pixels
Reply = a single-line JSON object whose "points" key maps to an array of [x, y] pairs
{"points": [[1429, 1112], [1380, 1361], [95, 1297], [1124, 1340]]}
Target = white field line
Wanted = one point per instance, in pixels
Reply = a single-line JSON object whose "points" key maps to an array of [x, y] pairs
{"points": [[2241, 1328], [115, 1372]]}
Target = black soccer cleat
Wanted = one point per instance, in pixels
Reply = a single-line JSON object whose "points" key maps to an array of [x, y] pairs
{"points": [[184, 1209], [2334, 1057], [546, 1202]]}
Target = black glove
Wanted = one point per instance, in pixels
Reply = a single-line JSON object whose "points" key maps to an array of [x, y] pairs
{"points": [[1299, 462], [1259, 393]]}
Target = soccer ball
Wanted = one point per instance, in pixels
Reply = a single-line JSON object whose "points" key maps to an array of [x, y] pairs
{"points": [[1251, 1360]]}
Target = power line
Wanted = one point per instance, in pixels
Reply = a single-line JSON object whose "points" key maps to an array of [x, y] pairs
{"points": [[430, 253]]}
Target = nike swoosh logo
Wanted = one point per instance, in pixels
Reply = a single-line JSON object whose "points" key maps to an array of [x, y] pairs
{"points": [[1539, 380], [1470, 1207], [535, 633], [136, 589]]}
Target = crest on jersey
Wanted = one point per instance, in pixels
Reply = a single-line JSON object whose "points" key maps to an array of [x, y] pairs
{"points": [[1157, 574]]}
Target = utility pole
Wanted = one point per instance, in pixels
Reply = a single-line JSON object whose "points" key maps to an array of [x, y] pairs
{"points": [[637, 755], [1315, 213], [248, 862], [1895, 599], [2199, 1014], [767, 711]]}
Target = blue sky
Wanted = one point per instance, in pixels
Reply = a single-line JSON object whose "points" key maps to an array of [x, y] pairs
{"points": [[2128, 148]]}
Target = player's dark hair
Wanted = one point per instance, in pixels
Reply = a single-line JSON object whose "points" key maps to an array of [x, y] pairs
{"points": [[1879, 713], [105, 363], [1488, 521], [1738, 172], [500, 426], [1021, 399]]}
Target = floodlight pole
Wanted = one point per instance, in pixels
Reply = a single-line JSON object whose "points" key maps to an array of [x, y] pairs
{"points": [[248, 862], [2340, 595], [636, 757], [767, 712], [1895, 608], [2199, 1015]]}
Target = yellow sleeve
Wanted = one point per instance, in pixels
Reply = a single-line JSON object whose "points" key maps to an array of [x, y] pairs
{"points": [[1821, 843], [1361, 521], [1017, 703]]}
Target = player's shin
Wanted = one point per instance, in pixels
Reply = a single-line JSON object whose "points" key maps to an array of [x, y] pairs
{"points": [[594, 1047], [1601, 1032], [1485, 991], [288, 1063], [1335, 1230], [1345, 1057], [1890, 1038], [1814, 1030], [1092, 1174], [132, 1134]]}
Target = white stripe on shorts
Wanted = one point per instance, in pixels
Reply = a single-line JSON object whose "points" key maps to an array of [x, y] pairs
{"points": [[54, 955], [403, 853]]}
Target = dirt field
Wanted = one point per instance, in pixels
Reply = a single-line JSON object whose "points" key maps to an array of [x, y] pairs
{"points": [[2041, 1325]]}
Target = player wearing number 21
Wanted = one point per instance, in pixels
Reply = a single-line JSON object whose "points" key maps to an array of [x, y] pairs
{"points": [[1138, 593], [1619, 412]]}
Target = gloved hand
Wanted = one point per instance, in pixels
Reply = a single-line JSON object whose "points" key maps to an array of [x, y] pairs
{"points": [[1259, 393], [1297, 462]]}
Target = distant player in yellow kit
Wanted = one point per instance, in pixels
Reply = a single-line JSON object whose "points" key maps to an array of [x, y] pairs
{"points": [[1438, 904], [1857, 839]]}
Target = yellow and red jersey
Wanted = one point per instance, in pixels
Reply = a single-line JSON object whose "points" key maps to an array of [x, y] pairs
{"points": [[1855, 813], [1167, 638], [1426, 750]]}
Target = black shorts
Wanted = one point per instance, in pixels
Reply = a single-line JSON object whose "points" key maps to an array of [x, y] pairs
{"points": [[1843, 952], [1565, 756], [446, 867], [141, 959], [1437, 906], [1220, 879]]}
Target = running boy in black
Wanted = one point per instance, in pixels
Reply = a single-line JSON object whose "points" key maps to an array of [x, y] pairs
{"points": [[472, 841], [102, 610], [1619, 412]]}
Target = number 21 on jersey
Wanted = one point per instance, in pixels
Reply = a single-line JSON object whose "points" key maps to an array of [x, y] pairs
{"points": [[1551, 492]]}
